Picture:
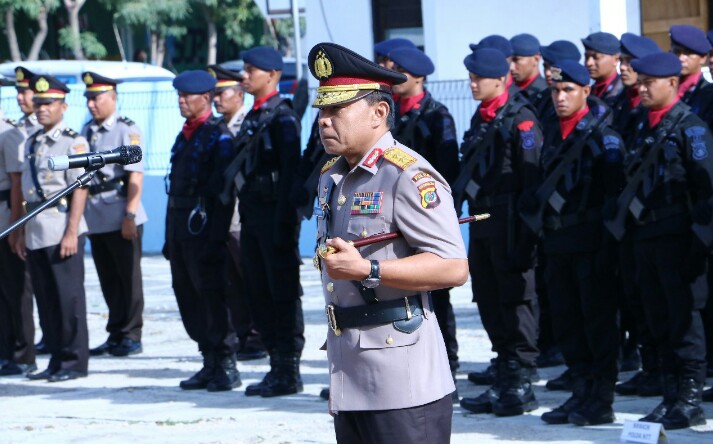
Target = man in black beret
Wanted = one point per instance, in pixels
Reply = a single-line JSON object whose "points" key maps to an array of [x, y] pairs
{"points": [[500, 157], [525, 67], [581, 162], [263, 176], [384, 47], [691, 46], [601, 56], [197, 224], [668, 196]]}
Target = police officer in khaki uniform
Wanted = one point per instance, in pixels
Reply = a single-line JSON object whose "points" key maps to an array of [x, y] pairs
{"points": [[389, 376], [229, 101], [115, 217], [54, 240]]}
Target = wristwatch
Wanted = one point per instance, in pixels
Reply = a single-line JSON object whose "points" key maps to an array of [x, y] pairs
{"points": [[374, 278], [129, 215]]}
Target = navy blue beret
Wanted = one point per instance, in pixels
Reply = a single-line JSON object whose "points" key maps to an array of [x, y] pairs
{"points": [[266, 58], [570, 71], [412, 60], [660, 64], [690, 38], [637, 46], [194, 82], [560, 50], [384, 47], [487, 62], [525, 45], [602, 42], [496, 42]]}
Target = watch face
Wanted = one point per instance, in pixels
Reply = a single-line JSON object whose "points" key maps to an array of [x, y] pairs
{"points": [[371, 282]]}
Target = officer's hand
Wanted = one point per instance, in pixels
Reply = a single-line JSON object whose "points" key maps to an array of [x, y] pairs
{"points": [[68, 246], [346, 262], [128, 229], [20, 249]]}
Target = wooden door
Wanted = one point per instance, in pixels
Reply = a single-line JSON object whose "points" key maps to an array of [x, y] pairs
{"points": [[657, 16]]}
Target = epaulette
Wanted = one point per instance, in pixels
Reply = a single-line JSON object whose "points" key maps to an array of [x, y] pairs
{"points": [[12, 122], [399, 157], [329, 164], [126, 121], [70, 132]]}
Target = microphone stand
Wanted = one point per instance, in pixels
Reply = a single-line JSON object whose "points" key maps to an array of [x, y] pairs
{"points": [[81, 181]]}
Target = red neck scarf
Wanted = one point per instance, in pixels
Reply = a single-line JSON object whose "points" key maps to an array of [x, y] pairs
{"points": [[527, 82], [406, 104], [634, 98], [489, 108], [190, 126], [600, 86], [568, 124], [655, 115], [688, 83], [261, 101]]}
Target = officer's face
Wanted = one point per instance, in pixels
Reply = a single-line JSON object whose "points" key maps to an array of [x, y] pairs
{"points": [[628, 75], [600, 66], [547, 68], [523, 68], [193, 105], [102, 106], [24, 101], [484, 88], [259, 82], [385, 62], [691, 62], [50, 114], [411, 87], [229, 100], [568, 98], [350, 130], [657, 92]]}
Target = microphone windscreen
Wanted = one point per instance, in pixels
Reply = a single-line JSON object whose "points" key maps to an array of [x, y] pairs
{"points": [[129, 154]]}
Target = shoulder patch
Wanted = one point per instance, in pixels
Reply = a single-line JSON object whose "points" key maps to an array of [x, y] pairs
{"points": [[70, 132], [134, 138], [429, 195], [696, 135], [80, 148], [399, 157], [329, 164], [420, 175], [126, 121]]}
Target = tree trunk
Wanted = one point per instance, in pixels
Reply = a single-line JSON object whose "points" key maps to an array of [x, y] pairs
{"points": [[73, 7], [161, 50], [40, 36], [212, 35], [12, 35], [154, 47]]}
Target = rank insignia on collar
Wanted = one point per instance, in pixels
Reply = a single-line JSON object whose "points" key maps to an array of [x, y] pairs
{"points": [[329, 164], [373, 157], [367, 202], [429, 195], [399, 157]]}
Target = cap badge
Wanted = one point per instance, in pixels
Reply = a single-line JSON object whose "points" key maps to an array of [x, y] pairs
{"points": [[42, 85], [19, 75], [556, 73], [88, 79], [212, 72], [322, 65]]}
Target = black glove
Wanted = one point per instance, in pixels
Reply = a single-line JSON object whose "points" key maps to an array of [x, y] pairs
{"points": [[609, 209], [166, 252], [694, 264], [528, 203], [701, 213]]}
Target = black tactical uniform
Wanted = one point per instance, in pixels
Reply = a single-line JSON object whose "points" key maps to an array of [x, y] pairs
{"points": [[269, 150]]}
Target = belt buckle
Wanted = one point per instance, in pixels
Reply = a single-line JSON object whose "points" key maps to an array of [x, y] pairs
{"points": [[332, 320], [24, 206]]}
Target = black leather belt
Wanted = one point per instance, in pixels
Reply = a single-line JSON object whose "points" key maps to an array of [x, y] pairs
{"points": [[373, 314], [493, 201], [658, 214], [182, 202], [117, 184], [557, 222], [62, 205], [4, 195]]}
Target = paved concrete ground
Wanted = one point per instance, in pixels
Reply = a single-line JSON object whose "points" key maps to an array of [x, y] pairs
{"points": [[137, 399]]}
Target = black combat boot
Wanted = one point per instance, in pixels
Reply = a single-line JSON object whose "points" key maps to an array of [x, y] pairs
{"points": [[483, 403], [201, 379], [580, 392], [485, 377], [516, 396], [561, 383], [227, 376], [708, 395], [647, 382], [669, 384], [686, 411], [597, 409], [287, 379], [256, 389], [630, 357]]}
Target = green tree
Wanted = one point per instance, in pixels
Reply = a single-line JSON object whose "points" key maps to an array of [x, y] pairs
{"points": [[34, 9]]}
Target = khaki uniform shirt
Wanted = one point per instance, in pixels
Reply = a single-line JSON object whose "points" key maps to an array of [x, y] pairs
{"points": [[10, 156], [47, 229], [105, 211], [392, 188], [234, 127]]}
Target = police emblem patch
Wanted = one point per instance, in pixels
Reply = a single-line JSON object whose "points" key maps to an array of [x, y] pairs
{"points": [[420, 175], [429, 195], [696, 135], [367, 202], [611, 146], [399, 158], [527, 134], [79, 148]]}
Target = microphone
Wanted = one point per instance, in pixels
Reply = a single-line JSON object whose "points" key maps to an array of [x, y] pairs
{"points": [[123, 155]]}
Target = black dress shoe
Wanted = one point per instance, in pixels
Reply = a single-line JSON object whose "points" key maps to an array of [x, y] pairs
{"points": [[66, 375], [41, 348], [44, 374], [12, 368], [105, 348], [126, 347]]}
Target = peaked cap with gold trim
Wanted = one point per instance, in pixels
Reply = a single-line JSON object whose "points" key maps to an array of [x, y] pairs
{"points": [[22, 77], [47, 89], [224, 77], [97, 83], [345, 76]]}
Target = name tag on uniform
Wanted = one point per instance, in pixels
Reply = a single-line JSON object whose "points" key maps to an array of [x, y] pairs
{"points": [[367, 202]]}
